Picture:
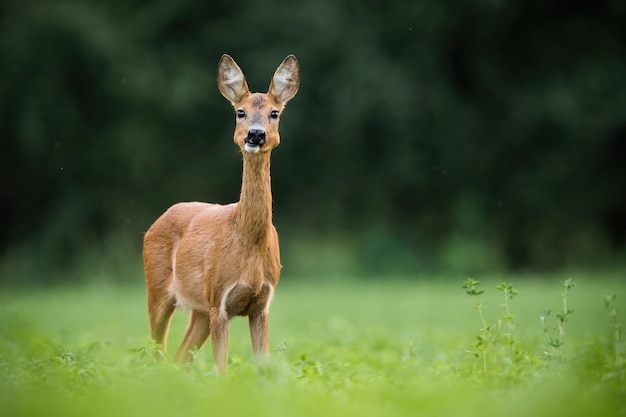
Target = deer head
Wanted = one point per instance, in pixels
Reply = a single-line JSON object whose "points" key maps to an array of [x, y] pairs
{"points": [[257, 114]]}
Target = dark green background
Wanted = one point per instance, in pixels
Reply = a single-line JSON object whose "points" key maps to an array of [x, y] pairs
{"points": [[445, 136]]}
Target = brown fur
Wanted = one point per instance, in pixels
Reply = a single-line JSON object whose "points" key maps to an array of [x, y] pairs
{"points": [[221, 261]]}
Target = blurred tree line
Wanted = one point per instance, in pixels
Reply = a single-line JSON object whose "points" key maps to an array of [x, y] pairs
{"points": [[451, 135]]}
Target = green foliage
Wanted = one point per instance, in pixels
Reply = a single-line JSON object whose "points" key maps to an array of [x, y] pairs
{"points": [[509, 318], [470, 286], [338, 349], [616, 331], [429, 134], [151, 349], [491, 336], [485, 338], [562, 317]]}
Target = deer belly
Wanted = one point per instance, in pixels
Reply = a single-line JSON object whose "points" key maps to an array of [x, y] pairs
{"points": [[190, 294], [188, 284]]}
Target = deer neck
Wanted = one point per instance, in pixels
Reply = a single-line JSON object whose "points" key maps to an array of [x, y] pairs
{"points": [[253, 216]]}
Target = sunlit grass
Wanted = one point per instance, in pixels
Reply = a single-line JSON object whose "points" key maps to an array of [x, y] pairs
{"points": [[387, 347]]}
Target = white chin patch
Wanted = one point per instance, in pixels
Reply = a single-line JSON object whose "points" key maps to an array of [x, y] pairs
{"points": [[252, 148]]}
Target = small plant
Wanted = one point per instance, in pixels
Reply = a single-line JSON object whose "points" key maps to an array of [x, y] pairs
{"points": [[490, 336], [76, 366], [151, 348], [281, 346], [562, 317], [485, 339], [550, 341], [470, 286], [616, 327], [509, 292]]}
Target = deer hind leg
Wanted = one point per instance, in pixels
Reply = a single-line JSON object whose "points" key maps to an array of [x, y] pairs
{"points": [[196, 334], [159, 275], [160, 309]]}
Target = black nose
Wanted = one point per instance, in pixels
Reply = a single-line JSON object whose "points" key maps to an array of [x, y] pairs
{"points": [[256, 137]]}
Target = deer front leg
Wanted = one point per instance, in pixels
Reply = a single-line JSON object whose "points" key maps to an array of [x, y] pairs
{"points": [[259, 328], [219, 340]]}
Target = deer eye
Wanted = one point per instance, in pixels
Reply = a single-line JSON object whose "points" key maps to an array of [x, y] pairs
{"points": [[274, 114], [241, 114]]}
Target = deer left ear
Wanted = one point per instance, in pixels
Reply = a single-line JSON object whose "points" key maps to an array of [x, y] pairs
{"points": [[286, 81]]}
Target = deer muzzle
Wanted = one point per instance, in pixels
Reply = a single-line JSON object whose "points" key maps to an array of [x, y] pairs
{"points": [[254, 140]]}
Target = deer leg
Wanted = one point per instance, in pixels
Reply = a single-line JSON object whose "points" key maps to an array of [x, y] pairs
{"points": [[259, 322], [158, 271], [219, 340], [160, 317], [197, 332], [161, 305], [259, 327]]}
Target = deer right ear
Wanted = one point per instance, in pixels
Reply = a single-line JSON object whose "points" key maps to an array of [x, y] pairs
{"points": [[230, 80]]}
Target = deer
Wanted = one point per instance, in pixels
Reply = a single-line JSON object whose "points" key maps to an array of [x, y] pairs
{"points": [[221, 261]]}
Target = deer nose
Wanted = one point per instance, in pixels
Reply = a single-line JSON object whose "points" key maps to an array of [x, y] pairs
{"points": [[256, 137]]}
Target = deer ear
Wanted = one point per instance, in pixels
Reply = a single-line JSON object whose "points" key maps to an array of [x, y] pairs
{"points": [[286, 81], [230, 80]]}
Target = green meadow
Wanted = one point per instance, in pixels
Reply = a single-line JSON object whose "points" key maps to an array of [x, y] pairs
{"points": [[385, 347]]}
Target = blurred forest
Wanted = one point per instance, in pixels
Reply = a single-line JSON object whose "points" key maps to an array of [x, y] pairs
{"points": [[458, 136]]}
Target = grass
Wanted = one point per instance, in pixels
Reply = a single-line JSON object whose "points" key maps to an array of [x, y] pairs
{"points": [[339, 348]]}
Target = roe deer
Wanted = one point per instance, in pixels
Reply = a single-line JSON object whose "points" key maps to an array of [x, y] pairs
{"points": [[221, 261]]}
